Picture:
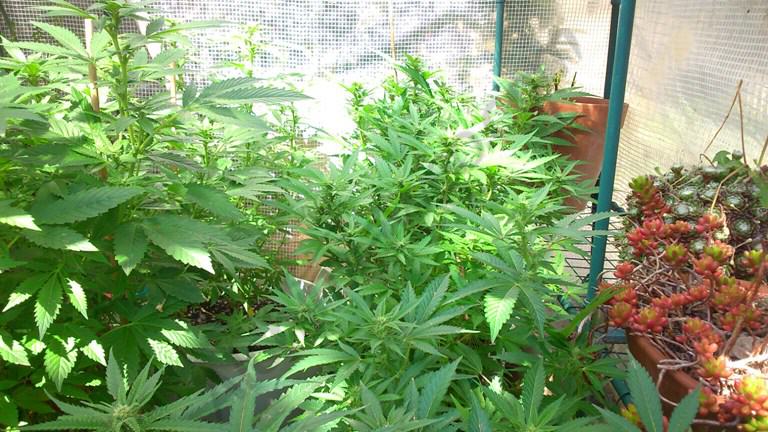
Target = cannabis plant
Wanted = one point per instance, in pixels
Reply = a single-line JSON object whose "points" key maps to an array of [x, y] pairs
{"points": [[378, 214], [493, 408], [433, 223], [645, 414], [125, 197], [132, 408]]}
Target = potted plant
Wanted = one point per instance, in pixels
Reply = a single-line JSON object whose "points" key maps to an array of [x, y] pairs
{"points": [[693, 288], [122, 208], [583, 121]]}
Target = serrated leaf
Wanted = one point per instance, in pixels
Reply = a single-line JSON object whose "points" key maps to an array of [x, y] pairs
{"points": [[168, 56], [435, 386], [59, 361], [315, 422], [40, 47], [95, 352], [83, 205], [181, 425], [244, 90], [478, 418], [235, 117], [178, 242], [645, 396], [498, 306], [493, 261], [115, 380], [214, 201], [371, 403], [175, 160], [17, 217], [537, 307], [486, 221], [268, 95], [130, 246], [683, 415], [189, 95], [61, 8], [77, 297], [13, 351], [96, 422], [165, 353], [60, 238], [533, 391], [65, 37], [318, 357], [184, 337], [272, 417], [48, 303], [25, 290]]}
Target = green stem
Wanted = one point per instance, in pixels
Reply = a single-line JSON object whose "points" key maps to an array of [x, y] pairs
{"points": [[121, 90]]}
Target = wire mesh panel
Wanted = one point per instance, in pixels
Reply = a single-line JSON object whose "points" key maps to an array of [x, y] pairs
{"points": [[331, 43], [687, 57], [568, 36], [334, 42]]}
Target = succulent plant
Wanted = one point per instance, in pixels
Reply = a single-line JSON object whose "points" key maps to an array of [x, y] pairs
{"points": [[695, 252]]}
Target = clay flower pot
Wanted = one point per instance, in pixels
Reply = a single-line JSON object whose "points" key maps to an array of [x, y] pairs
{"points": [[587, 145], [675, 385]]}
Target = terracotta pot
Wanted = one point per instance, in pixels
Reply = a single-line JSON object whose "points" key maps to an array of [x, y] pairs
{"points": [[587, 145], [675, 385], [285, 245]]}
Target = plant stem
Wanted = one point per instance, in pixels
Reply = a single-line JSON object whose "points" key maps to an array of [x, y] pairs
{"points": [[92, 75], [121, 90], [722, 125], [762, 153], [759, 276]]}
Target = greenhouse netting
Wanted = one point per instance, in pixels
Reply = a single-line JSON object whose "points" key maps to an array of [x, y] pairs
{"points": [[688, 56]]}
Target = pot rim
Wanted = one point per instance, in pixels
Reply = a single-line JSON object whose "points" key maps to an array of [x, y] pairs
{"points": [[644, 343], [584, 100]]}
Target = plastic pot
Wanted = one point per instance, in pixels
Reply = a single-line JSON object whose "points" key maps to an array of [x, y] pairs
{"points": [[586, 145]]}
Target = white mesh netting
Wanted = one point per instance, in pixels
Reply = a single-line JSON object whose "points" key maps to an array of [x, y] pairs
{"points": [[687, 57]]}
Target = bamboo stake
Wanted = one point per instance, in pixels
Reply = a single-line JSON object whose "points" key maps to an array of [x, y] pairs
{"points": [[92, 76], [392, 48], [172, 84]]}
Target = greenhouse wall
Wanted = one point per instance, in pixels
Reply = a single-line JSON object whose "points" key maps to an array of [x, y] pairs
{"points": [[687, 57]]}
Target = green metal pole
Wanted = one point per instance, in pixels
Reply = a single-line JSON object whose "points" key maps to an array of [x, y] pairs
{"points": [[498, 43], [613, 131], [611, 48]]}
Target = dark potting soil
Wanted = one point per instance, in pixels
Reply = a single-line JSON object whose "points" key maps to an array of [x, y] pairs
{"points": [[209, 312], [217, 311]]}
